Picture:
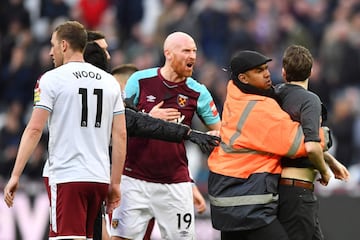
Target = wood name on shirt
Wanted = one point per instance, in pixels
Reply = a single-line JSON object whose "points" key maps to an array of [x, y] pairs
{"points": [[85, 74]]}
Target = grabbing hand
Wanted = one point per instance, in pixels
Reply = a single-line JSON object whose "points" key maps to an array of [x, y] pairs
{"points": [[205, 141]]}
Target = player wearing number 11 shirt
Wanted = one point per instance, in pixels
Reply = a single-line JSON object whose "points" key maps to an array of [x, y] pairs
{"points": [[84, 110]]}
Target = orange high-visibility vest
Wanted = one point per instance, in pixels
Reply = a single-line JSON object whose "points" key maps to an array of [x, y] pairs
{"points": [[255, 133], [245, 168]]}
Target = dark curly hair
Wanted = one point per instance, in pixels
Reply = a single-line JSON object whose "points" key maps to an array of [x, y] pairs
{"points": [[95, 55]]}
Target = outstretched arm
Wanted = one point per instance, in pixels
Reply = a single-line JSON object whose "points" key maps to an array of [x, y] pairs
{"points": [[140, 124]]}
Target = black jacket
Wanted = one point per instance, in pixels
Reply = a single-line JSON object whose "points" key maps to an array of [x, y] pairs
{"points": [[140, 124]]}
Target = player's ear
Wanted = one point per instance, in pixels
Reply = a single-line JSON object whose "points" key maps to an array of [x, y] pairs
{"points": [[64, 45], [167, 54]]}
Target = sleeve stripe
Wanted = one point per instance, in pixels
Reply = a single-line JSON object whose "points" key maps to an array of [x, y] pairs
{"points": [[43, 107], [119, 112]]}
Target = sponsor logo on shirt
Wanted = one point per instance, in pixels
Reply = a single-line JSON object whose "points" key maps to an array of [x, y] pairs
{"points": [[178, 120], [150, 98], [184, 233], [213, 108]]}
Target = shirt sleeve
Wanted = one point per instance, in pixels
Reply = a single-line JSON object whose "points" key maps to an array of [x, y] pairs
{"points": [[44, 94], [207, 110], [119, 103], [310, 118], [132, 87]]}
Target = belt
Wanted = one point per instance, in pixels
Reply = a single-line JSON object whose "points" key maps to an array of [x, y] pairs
{"points": [[297, 183]]}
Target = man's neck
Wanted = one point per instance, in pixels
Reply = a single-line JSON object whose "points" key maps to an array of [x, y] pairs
{"points": [[170, 75], [75, 57], [303, 84]]}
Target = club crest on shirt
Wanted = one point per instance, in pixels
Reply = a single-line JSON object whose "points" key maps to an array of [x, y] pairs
{"points": [[182, 100], [115, 223]]}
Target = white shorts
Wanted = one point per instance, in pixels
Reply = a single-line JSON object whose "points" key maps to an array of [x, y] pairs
{"points": [[171, 205]]}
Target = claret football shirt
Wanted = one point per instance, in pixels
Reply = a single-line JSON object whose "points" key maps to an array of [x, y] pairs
{"points": [[160, 161]]}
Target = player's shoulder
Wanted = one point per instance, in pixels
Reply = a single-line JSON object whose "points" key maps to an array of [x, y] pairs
{"points": [[59, 71], [285, 88], [50, 76], [311, 93], [313, 96], [288, 89], [195, 85], [145, 73]]}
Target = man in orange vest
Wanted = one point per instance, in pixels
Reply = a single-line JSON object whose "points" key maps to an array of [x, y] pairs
{"points": [[245, 168]]}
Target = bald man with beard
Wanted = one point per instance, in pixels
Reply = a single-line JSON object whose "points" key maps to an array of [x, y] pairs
{"points": [[156, 180]]}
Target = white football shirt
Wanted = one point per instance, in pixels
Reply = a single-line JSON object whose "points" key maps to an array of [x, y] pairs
{"points": [[82, 100]]}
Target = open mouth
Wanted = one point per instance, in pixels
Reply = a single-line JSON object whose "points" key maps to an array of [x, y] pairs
{"points": [[190, 65]]}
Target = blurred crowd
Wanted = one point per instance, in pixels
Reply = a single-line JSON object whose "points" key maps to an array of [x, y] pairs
{"points": [[135, 31]]}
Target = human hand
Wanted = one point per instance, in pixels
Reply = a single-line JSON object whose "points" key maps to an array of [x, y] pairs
{"points": [[113, 198], [325, 178], [199, 201], [340, 171], [205, 141], [10, 190], [167, 114]]}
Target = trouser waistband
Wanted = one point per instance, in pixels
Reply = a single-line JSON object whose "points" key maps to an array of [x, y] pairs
{"points": [[297, 183]]}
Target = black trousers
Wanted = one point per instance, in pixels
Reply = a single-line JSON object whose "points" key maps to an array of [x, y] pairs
{"points": [[298, 213], [272, 231]]}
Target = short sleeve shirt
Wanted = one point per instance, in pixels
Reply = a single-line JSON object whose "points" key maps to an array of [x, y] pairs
{"points": [[160, 161], [82, 100]]}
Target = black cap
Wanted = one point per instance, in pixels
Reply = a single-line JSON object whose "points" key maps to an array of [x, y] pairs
{"points": [[247, 60]]}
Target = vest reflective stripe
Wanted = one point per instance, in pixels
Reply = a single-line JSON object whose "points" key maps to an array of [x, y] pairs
{"points": [[296, 144], [292, 151], [243, 200], [228, 149], [255, 133], [242, 121]]}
